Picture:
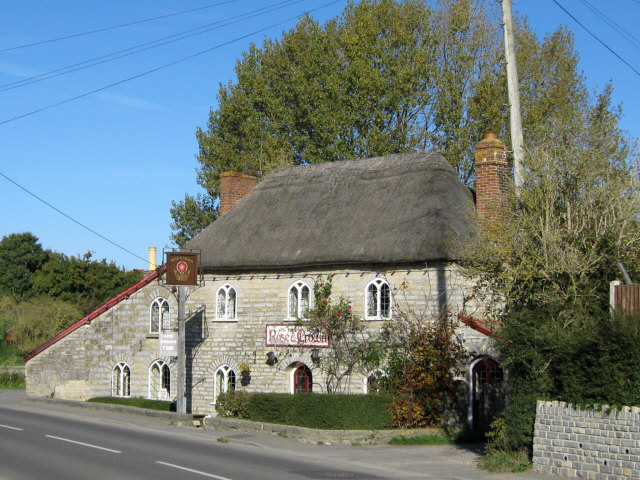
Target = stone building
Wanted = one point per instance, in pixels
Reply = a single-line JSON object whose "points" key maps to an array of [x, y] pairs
{"points": [[388, 230]]}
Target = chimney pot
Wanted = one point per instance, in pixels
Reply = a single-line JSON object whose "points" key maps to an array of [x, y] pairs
{"points": [[152, 259]]}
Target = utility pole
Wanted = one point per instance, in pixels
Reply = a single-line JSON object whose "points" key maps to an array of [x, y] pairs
{"points": [[182, 318], [513, 85]]}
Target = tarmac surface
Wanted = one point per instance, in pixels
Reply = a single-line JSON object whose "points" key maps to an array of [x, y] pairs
{"points": [[445, 462]]}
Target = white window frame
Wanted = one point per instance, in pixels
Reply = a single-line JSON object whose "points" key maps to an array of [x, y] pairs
{"points": [[121, 380], [226, 290], [162, 392], [164, 316], [296, 289], [228, 379], [379, 373], [377, 284]]}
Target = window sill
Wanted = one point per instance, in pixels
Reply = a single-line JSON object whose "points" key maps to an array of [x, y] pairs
{"points": [[152, 335], [225, 320]]}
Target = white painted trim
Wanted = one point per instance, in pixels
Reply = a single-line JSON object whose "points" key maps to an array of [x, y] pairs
{"points": [[161, 364], [227, 287], [225, 369], [378, 282], [298, 286], [160, 301]]}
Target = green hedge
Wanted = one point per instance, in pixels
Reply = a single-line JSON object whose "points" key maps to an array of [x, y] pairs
{"points": [[11, 380], [328, 412], [139, 402]]}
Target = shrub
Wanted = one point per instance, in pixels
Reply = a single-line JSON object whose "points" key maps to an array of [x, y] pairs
{"points": [[11, 380], [329, 412], [233, 404]]}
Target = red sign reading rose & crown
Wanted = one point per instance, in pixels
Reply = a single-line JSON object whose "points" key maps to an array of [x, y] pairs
{"points": [[278, 335]]}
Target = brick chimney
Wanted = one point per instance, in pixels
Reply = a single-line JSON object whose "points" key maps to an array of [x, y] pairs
{"points": [[492, 177], [233, 187]]}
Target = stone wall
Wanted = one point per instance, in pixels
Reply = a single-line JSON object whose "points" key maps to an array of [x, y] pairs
{"points": [[81, 365], [599, 444]]}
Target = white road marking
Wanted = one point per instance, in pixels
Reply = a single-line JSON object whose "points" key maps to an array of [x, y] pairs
{"points": [[83, 444], [204, 474], [11, 428]]}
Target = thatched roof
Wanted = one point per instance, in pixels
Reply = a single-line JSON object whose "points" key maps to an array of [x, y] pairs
{"points": [[396, 209]]}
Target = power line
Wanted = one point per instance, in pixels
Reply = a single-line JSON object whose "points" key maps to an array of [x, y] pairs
{"points": [[596, 37], [71, 218], [149, 45], [633, 40], [162, 67], [114, 27]]}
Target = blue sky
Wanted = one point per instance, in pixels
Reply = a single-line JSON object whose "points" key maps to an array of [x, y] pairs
{"points": [[114, 160]]}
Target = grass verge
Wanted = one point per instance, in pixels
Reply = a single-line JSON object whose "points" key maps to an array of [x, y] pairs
{"points": [[11, 381], [496, 462], [139, 402], [439, 439]]}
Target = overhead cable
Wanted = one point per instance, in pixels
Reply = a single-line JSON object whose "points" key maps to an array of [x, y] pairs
{"points": [[596, 37], [162, 67], [149, 45], [71, 218], [113, 27]]}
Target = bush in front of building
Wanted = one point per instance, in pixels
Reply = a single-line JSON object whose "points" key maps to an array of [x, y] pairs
{"points": [[233, 404], [327, 412], [138, 402]]}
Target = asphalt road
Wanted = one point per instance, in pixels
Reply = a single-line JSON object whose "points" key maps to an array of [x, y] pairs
{"points": [[43, 441]]}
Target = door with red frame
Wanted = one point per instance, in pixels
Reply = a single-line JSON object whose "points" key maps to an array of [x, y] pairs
{"points": [[302, 380]]}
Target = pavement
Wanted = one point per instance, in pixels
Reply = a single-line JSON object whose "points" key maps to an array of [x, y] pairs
{"points": [[445, 462]]}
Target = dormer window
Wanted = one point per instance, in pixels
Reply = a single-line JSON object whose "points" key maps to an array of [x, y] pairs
{"points": [[299, 295], [378, 300]]}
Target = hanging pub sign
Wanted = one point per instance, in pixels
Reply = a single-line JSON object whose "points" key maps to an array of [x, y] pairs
{"points": [[182, 268]]}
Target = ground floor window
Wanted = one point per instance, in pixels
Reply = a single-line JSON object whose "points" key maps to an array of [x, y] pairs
{"points": [[302, 380], [159, 381], [377, 382], [225, 381], [120, 380]]}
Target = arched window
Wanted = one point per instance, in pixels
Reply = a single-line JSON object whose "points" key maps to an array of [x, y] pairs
{"points": [[299, 295], [226, 303], [159, 315], [224, 381], [378, 300], [120, 380], [377, 382], [159, 381]]}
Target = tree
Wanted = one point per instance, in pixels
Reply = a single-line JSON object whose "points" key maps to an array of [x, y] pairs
{"points": [[551, 258], [81, 281], [352, 348], [191, 216], [424, 358], [20, 257], [385, 77]]}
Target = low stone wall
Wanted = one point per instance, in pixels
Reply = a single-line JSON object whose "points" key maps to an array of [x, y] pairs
{"points": [[311, 435], [598, 444], [12, 369]]}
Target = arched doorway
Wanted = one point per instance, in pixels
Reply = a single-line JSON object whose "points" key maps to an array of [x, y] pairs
{"points": [[302, 380], [488, 392]]}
